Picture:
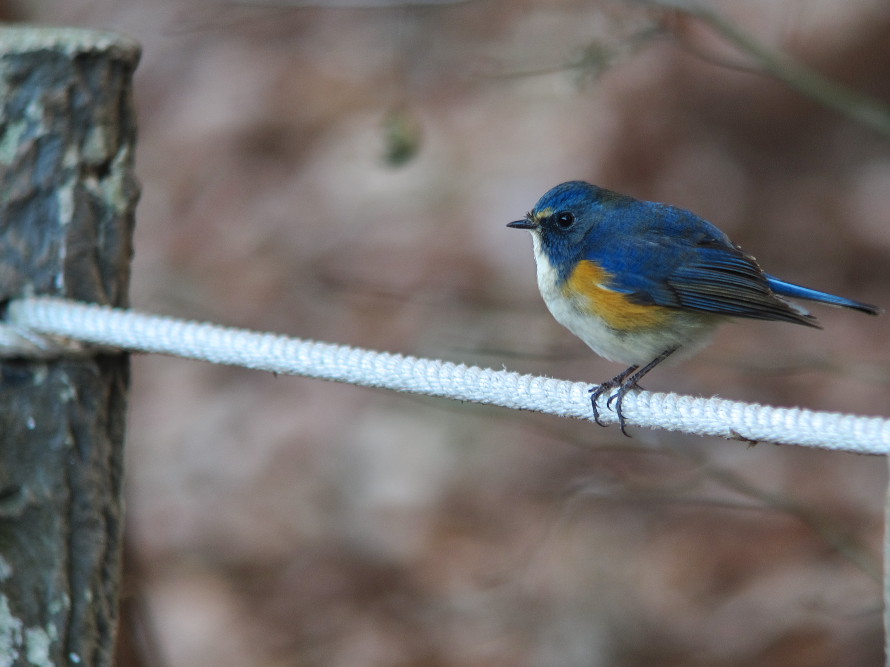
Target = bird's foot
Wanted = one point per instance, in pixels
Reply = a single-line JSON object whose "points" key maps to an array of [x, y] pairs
{"points": [[623, 382]]}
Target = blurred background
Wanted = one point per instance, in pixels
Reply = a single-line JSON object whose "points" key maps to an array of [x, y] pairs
{"points": [[343, 171]]}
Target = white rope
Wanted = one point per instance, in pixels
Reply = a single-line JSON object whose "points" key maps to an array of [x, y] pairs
{"points": [[133, 331]]}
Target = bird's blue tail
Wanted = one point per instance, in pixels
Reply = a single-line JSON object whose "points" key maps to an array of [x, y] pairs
{"points": [[782, 288]]}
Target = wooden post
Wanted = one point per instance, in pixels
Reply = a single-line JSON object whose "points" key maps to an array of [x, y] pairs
{"points": [[67, 199]]}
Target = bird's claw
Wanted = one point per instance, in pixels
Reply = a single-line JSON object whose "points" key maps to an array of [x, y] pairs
{"points": [[595, 392], [617, 398], [624, 382]]}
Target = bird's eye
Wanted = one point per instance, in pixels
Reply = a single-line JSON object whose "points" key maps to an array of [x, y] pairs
{"points": [[565, 219]]}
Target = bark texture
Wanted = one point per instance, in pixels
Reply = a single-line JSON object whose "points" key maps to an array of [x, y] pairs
{"points": [[67, 201]]}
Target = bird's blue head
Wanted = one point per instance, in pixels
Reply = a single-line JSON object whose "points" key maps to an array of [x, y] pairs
{"points": [[565, 221]]}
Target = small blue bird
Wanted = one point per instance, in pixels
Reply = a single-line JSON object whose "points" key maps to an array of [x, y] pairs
{"points": [[641, 281]]}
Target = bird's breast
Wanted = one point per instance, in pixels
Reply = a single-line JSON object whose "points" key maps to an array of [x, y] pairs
{"points": [[587, 287], [613, 325]]}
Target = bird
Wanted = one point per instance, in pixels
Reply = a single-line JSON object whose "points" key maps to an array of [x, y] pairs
{"points": [[642, 282]]}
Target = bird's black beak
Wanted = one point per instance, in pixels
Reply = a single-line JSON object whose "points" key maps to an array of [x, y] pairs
{"points": [[525, 223]]}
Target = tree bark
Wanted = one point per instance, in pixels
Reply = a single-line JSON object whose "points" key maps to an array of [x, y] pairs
{"points": [[67, 200]]}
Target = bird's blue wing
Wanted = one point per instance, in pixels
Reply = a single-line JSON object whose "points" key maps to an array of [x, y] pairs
{"points": [[698, 269], [723, 279]]}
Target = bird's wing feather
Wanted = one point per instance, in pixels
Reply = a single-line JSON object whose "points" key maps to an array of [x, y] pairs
{"points": [[706, 274]]}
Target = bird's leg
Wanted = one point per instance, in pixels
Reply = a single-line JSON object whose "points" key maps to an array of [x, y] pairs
{"points": [[609, 385], [625, 381]]}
